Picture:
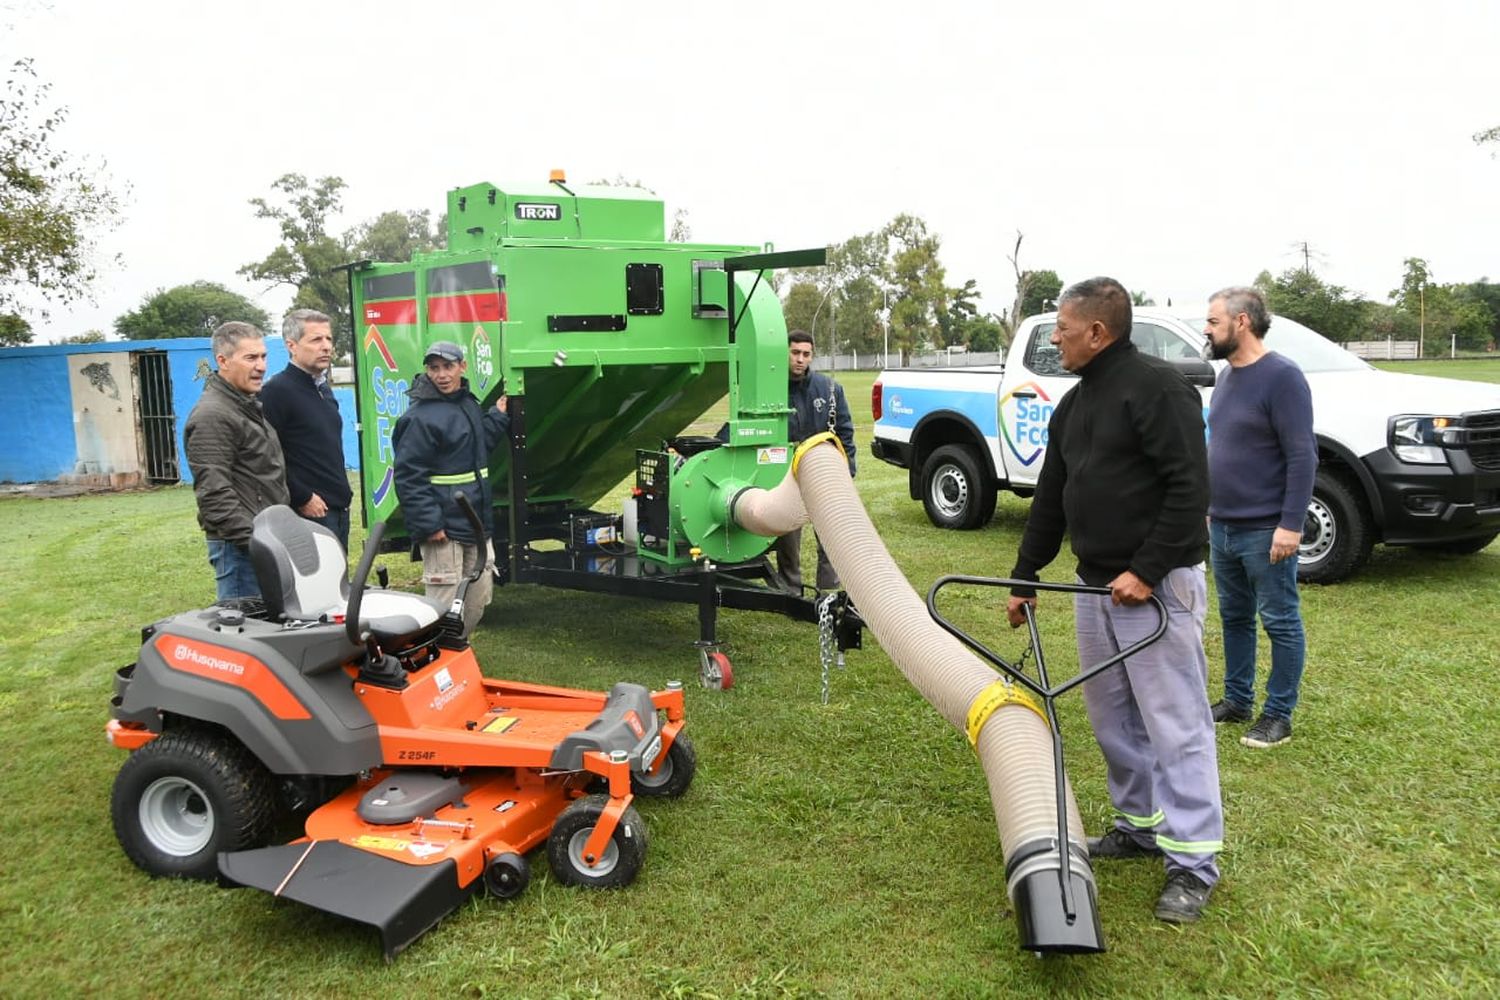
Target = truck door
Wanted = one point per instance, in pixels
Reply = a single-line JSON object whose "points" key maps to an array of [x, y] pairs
{"points": [[1028, 395]]}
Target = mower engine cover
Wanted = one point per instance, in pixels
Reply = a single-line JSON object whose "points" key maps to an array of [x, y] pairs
{"points": [[628, 723]]}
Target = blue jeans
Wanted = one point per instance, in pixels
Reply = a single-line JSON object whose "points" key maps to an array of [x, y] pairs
{"points": [[233, 573], [336, 521], [1249, 582]]}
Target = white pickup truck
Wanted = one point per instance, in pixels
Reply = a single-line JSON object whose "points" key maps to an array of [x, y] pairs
{"points": [[1403, 459]]}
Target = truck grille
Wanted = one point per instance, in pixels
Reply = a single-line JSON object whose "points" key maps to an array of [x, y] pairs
{"points": [[1483, 438]]}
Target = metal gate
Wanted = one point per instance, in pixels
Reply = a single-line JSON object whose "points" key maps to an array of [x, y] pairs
{"points": [[158, 423]]}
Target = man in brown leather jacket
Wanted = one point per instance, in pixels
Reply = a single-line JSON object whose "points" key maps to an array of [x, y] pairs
{"points": [[235, 457]]}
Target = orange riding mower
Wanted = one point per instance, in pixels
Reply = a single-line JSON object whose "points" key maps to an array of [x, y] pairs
{"points": [[364, 710]]}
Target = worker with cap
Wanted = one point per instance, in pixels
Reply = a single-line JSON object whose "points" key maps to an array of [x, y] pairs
{"points": [[443, 444]]}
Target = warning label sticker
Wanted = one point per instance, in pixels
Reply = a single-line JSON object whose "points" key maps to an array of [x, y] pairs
{"points": [[770, 456]]}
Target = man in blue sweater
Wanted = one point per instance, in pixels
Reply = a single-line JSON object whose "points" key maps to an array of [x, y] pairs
{"points": [[299, 403], [1262, 458]]}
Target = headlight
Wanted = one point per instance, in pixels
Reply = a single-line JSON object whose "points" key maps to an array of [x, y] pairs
{"points": [[1420, 440]]}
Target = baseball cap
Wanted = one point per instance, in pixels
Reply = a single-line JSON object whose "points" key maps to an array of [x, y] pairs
{"points": [[445, 349]]}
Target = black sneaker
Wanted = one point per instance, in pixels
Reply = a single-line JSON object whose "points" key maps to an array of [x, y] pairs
{"points": [[1119, 845], [1183, 898], [1228, 711], [1268, 731]]}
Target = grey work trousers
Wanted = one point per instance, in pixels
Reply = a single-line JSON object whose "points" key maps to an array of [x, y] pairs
{"points": [[788, 549]]}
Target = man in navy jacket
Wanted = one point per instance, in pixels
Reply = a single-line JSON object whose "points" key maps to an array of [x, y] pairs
{"points": [[299, 403]]}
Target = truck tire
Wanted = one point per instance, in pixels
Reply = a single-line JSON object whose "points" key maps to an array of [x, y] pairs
{"points": [[1338, 534], [956, 492]]}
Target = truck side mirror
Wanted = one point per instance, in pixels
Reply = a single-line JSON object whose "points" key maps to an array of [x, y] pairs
{"points": [[1196, 370]]}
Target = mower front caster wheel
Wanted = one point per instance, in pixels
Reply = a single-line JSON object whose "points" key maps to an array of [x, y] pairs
{"points": [[623, 854], [715, 671], [507, 875], [674, 771], [187, 795]]}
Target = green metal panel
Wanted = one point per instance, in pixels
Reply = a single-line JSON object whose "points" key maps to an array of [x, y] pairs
{"points": [[544, 311]]}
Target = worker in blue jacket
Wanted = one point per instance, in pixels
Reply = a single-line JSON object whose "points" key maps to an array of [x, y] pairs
{"points": [[442, 444], [818, 405]]}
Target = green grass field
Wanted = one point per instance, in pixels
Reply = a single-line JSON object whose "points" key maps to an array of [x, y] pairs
{"points": [[839, 850]]}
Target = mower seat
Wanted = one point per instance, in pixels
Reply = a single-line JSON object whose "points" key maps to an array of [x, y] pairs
{"points": [[304, 576]]}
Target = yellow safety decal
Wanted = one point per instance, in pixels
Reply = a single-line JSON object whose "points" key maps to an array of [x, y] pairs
{"points": [[992, 698], [380, 843], [499, 724], [812, 443]]}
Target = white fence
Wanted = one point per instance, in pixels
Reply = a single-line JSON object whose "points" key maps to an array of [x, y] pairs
{"points": [[927, 359], [1384, 350]]}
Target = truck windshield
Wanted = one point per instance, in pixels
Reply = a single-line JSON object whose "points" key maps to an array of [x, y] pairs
{"points": [[1312, 351]]}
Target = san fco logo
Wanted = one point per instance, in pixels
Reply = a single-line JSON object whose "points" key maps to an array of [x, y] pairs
{"points": [[533, 211], [390, 402], [1024, 414], [899, 407]]}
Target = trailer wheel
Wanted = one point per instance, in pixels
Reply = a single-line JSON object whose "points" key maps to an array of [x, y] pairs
{"points": [[623, 856], [187, 795], [955, 491], [715, 672], [1461, 547], [1337, 535], [674, 771]]}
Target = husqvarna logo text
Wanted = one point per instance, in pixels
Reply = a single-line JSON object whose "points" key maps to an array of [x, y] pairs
{"points": [[186, 654]]}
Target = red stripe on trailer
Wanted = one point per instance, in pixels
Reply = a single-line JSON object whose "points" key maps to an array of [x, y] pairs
{"points": [[485, 307], [401, 312]]}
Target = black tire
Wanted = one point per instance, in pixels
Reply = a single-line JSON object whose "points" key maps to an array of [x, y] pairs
{"points": [[187, 795], [507, 875], [1337, 535], [623, 856], [673, 776], [1461, 547], [956, 491]]}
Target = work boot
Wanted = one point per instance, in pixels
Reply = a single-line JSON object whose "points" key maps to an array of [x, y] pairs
{"points": [[1228, 711], [1119, 845], [1183, 898], [1268, 731]]}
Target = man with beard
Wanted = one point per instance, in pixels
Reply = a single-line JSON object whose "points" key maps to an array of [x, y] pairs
{"points": [[1262, 459]]}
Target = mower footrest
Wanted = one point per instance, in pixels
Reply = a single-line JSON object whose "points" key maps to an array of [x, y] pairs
{"points": [[401, 901]]}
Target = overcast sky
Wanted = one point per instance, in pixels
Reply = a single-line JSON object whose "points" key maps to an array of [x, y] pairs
{"points": [[1179, 147]]}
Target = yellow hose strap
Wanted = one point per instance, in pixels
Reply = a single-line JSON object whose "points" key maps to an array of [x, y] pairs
{"points": [[812, 443], [992, 698]]}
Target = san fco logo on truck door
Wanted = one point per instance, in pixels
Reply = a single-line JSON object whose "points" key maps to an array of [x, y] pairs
{"points": [[1024, 413]]}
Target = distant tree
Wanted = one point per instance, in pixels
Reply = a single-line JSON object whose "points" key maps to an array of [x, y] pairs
{"points": [[309, 252], [51, 206], [14, 330], [393, 237], [918, 294], [1488, 293], [801, 305], [188, 311], [985, 333], [1301, 295], [1042, 291], [86, 337], [1489, 135], [1142, 300]]}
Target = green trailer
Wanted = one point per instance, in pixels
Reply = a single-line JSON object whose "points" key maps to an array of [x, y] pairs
{"points": [[610, 341]]}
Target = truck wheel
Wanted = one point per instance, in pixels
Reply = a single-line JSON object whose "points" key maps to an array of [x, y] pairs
{"points": [[623, 855], [187, 795], [1462, 547], [1337, 535], [955, 491]]}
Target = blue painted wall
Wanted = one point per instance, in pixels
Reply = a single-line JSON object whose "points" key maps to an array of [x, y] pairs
{"points": [[37, 443]]}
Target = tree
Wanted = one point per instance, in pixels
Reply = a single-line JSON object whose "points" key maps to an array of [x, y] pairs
{"points": [[394, 236], [1301, 295], [308, 253], [1142, 300], [188, 311], [1043, 288], [86, 337], [51, 207], [14, 330], [918, 294]]}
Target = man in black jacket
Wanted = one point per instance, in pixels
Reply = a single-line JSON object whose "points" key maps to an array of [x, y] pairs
{"points": [[818, 405], [1126, 477], [299, 403], [234, 456], [442, 444]]}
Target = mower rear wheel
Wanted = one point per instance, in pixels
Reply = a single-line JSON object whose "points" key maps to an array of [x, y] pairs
{"points": [[674, 771], [623, 855], [715, 672], [187, 795]]}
